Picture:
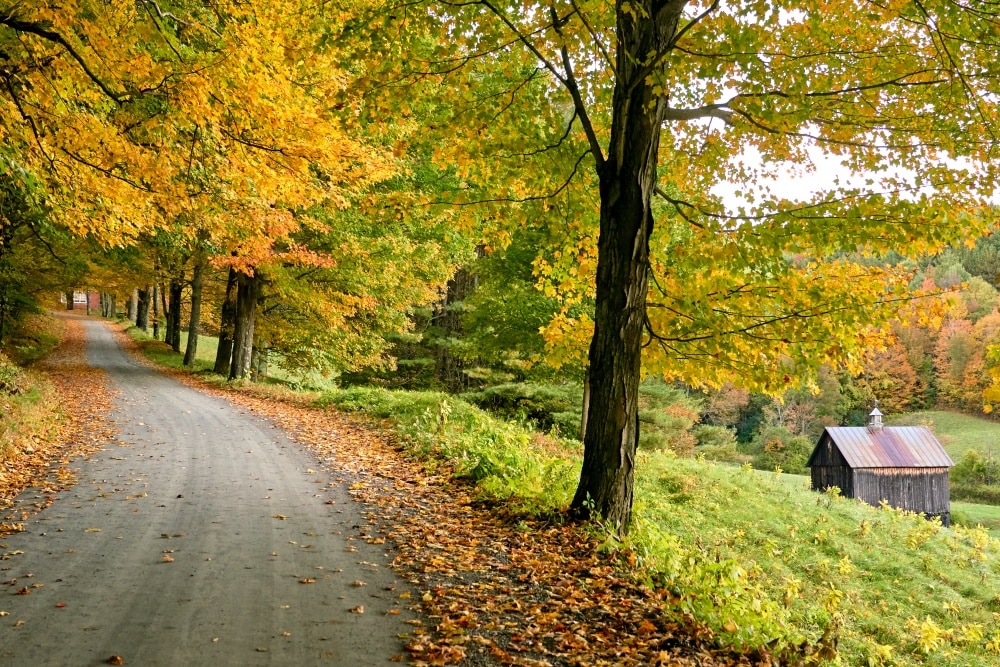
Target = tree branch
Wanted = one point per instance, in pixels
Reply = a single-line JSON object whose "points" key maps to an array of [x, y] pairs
{"points": [[38, 30]]}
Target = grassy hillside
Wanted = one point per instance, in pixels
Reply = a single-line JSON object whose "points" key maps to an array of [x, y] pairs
{"points": [[756, 556], [899, 590], [957, 432]]}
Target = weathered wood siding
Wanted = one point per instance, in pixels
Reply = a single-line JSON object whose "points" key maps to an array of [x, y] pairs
{"points": [[827, 454], [913, 489], [823, 477]]}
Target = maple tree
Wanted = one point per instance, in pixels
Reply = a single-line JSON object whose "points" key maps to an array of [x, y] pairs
{"points": [[581, 114], [215, 129]]}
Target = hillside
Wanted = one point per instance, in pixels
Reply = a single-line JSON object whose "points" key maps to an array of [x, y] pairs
{"points": [[898, 589], [957, 432], [757, 557]]}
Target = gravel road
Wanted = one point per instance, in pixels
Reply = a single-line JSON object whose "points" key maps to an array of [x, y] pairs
{"points": [[185, 544]]}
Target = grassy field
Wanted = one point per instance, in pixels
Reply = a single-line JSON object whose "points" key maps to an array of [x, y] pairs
{"points": [[957, 432], [899, 590]]}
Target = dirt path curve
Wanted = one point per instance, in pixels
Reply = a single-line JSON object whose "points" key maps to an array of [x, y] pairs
{"points": [[185, 544]]}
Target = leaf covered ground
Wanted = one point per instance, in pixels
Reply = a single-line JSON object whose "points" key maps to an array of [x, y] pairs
{"points": [[67, 419], [496, 586]]}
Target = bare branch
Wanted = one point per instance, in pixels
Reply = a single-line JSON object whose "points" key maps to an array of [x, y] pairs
{"points": [[522, 200], [720, 111]]}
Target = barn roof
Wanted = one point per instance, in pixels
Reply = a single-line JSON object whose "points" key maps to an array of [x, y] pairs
{"points": [[887, 447]]}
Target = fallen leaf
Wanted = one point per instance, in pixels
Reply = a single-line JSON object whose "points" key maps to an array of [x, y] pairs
{"points": [[307, 580], [167, 559], [286, 634], [360, 609], [92, 530], [115, 660], [60, 604], [282, 517], [358, 584]]}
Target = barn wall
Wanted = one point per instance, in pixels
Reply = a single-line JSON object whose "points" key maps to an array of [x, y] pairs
{"points": [[913, 489], [825, 476], [827, 454]]}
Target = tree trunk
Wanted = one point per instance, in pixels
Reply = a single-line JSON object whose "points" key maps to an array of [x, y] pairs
{"points": [[132, 307], [627, 180], [69, 300], [142, 308], [449, 367], [258, 362], [194, 325], [174, 314], [247, 291], [224, 354], [586, 405], [156, 312]]}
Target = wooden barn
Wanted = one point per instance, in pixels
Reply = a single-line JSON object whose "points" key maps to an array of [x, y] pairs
{"points": [[904, 465]]}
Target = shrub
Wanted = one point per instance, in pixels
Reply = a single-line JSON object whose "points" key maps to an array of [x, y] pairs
{"points": [[777, 447], [11, 377], [549, 407]]}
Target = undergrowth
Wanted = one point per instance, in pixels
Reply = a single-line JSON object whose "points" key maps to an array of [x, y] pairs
{"points": [[506, 460], [28, 409]]}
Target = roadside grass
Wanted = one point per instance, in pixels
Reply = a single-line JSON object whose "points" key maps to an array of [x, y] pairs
{"points": [[28, 406], [757, 557], [957, 432], [208, 347]]}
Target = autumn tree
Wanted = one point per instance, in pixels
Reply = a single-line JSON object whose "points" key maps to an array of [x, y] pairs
{"points": [[599, 108]]}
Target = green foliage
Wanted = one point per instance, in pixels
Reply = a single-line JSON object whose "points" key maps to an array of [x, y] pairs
{"points": [[504, 459], [777, 447], [549, 407], [974, 468], [12, 379]]}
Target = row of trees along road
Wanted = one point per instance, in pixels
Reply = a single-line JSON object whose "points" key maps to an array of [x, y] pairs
{"points": [[340, 161]]}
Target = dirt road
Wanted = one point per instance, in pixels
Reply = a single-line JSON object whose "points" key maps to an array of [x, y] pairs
{"points": [[204, 537]]}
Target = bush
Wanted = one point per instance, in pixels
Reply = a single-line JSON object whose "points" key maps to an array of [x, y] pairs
{"points": [[714, 436], [11, 377], [499, 456], [976, 493], [549, 407], [777, 447]]}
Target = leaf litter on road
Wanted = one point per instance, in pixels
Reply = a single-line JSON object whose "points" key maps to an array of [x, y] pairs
{"points": [[496, 587]]}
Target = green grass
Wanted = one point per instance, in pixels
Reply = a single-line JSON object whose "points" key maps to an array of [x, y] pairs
{"points": [[957, 432], [773, 558], [986, 515], [205, 360]]}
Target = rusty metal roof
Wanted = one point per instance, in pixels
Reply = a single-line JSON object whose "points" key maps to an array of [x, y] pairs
{"points": [[889, 447]]}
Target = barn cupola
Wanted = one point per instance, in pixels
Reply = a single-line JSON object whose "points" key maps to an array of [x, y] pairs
{"points": [[875, 419]]}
